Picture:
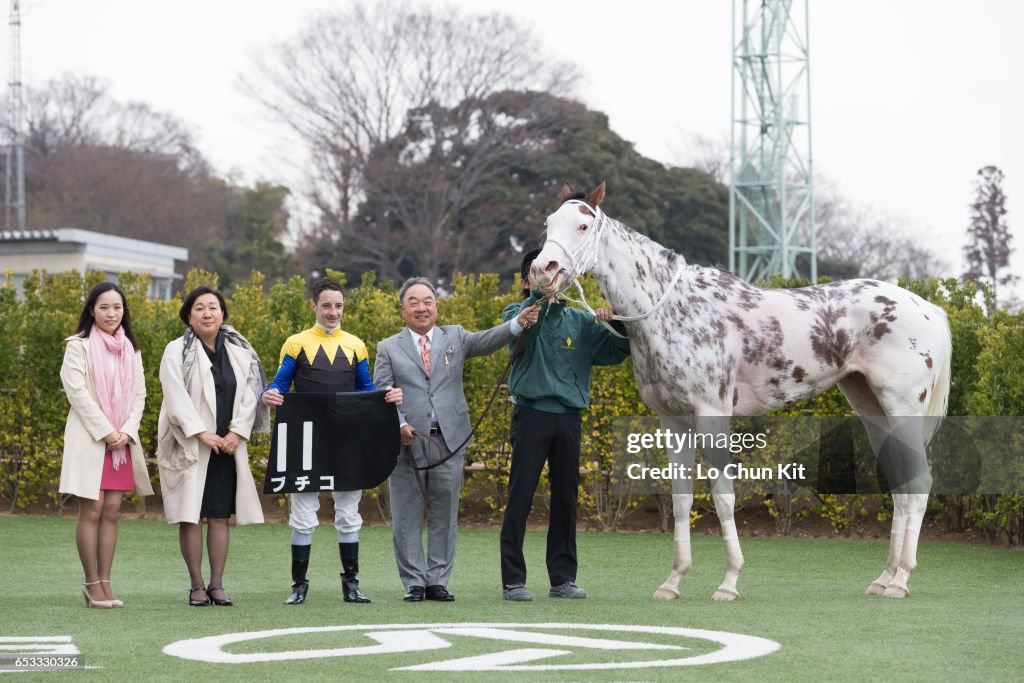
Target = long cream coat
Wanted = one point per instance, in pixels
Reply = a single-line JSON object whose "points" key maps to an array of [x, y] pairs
{"points": [[194, 409], [87, 427]]}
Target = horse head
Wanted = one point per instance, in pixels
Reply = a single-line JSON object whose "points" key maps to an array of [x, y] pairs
{"points": [[573, 233]]}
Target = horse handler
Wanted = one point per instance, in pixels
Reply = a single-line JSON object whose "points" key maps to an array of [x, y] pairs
{"points": [[550, 383]]}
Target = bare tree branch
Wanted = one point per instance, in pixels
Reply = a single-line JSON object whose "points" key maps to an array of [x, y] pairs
{"points": [[410, 80]]}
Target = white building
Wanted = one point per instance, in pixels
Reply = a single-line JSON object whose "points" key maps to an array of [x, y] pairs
{"points": [[66, 249]]}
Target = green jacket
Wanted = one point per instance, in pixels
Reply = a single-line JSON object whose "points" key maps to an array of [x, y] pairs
{"points": [[552, 371]]}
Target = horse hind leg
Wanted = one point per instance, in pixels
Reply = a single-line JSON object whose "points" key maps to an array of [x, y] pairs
{"points": [[915, 505], [899, 444], [681, 506], [865, 404], [905, 463]]}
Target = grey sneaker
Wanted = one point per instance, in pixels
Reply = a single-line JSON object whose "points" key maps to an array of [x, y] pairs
{"points": [[517, 593], [567, 590]]}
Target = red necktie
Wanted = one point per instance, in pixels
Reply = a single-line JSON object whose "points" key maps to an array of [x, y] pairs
{"points": [[425, 353]]}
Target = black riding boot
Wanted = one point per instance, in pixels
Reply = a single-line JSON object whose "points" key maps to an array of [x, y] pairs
{"points": [[300, 562], [350, 569]]}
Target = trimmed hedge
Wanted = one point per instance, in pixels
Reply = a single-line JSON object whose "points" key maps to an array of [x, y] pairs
{"points": [[987, 380]]}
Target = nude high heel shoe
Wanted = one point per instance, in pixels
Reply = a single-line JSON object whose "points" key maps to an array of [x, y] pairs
{"points": [[115, 602], [89, 602]]}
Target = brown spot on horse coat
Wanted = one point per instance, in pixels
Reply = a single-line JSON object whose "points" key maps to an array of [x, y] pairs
{"points": [[886, 316], [862, 285], [927, 359], [831, 344], [923, 396], [799, 373], [885, 301]]}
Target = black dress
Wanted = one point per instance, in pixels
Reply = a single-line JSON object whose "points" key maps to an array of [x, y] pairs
{"points": [[221, 477]]}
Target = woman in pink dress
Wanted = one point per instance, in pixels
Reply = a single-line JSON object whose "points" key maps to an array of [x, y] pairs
{"points": [[103, 381]]}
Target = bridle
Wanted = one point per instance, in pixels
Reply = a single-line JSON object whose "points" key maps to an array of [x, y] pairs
{"points": [[584, 258]]}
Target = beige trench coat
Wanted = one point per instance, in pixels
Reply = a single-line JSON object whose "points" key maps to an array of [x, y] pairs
{"points": [[194, 410], [87, 427]]}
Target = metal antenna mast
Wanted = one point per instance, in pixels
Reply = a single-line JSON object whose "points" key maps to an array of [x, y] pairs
{"points": [[15, 196], [771, 194]]}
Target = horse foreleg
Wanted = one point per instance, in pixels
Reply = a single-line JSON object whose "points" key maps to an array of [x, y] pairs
{"points": [[681, 505], [916, 505], [725, 504]]}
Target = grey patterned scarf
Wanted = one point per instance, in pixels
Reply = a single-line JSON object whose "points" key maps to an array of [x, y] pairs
{"points": [[256, 380]]}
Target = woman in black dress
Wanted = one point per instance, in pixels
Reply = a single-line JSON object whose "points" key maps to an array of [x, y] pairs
{"points": [[211, 379]]}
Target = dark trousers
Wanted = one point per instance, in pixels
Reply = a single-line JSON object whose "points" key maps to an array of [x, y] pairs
{"points": [[537, 437]]}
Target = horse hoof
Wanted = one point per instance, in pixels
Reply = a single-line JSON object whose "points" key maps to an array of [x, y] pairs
{"points": [[724, 596], [875, 589], [665, 594], [895, 592]]}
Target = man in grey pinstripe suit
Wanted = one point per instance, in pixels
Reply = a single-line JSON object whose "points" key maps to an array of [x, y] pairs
{"points": [[426, 361]]}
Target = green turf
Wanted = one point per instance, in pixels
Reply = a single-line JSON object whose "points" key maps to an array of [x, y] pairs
{"points": [[963, 621]]}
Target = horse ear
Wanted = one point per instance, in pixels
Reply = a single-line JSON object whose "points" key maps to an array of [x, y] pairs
{"points": [[565, 194], [596, 196]]}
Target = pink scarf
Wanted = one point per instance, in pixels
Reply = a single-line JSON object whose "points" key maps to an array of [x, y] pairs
{"points": [[113, 391]]}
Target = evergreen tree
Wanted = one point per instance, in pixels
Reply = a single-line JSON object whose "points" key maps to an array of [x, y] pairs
{"points": [[989, 248]]}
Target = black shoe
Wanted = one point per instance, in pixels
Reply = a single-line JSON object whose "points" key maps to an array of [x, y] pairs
{"points": [[414, 594], [298, 595], [198, 603], [439, 593], [226, 602], [350, 590]]}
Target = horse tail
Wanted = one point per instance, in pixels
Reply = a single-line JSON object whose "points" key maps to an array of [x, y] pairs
{"points": [[939, 402]]}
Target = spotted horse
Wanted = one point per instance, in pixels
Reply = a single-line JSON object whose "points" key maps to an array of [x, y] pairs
{"points": [[707, 345]]}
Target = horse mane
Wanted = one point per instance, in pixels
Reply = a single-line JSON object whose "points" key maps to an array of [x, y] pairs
{"points": [[667, 253], [575, 195]]}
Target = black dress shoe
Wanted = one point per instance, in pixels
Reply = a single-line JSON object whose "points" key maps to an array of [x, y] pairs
{"points": [[197, 603], [225, 602], [439, 593], [414, 594], [298, 595]]}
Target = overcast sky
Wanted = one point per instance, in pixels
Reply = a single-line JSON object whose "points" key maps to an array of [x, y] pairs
{"points": [[909, 97]]}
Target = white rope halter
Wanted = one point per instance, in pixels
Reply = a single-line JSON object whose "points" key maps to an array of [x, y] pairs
{"points": [[585, 257]]}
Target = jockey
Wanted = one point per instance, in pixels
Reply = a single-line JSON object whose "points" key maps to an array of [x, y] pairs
{"points": [[324, 358]]}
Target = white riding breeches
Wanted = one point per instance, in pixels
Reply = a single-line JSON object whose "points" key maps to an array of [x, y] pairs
{"points": [[304, 506]]}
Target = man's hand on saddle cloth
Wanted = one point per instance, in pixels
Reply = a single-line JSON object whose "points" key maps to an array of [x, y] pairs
{"points": [[272, 397], [394, 395]]}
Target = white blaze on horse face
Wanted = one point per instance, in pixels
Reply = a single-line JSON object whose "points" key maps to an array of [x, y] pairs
{"points": [[566, 229]]}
